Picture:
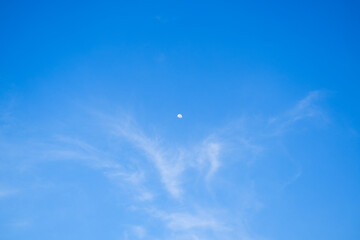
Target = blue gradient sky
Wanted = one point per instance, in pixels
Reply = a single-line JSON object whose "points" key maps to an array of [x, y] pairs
{"points": [[268, 147]]}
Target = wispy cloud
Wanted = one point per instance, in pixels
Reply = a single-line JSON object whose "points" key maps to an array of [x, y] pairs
{"points": [[209, 157], [68, 148], [135, 179], [169, 164], [306, 108], [8, 192], [182, 221], [21, 224], [139, 231], [247, 142], [175, 160], [172, 161]]}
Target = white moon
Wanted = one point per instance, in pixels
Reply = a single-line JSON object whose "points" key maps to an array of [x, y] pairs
{"points": [[179, 115]]}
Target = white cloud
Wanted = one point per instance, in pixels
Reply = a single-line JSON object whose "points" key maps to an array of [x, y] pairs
{"points": [[67, 148], [213, 153], [169, 165], [209, 157], [145, 196], [206, 157], [180, 221], [184, 221], [306, 108], [139, 231], [21, 224], [7, 192]]}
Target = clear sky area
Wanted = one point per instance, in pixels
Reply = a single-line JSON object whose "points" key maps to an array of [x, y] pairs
{"points": [[266, 146]]}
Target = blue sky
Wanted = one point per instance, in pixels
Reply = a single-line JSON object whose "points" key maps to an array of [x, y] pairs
{"points": [[268, 147]]}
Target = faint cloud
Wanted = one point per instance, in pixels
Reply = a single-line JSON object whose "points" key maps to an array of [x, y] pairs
{"points": [[135, 179], [242, 142], [184, 221], [145, 196], [21, 224], [180, 221], [139, 231], [305, 108], [8, 192], [161, 19], [293, 178], [209, 154], [169, 165], [160, 58], [68, 148]]}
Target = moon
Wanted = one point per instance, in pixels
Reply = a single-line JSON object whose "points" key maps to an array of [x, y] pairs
{"points": [[179, 115]]}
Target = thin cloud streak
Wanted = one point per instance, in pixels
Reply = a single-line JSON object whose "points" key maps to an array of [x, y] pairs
{"points": [[8, 192], [181, 221], [306, 108], [206, 158], [169, 167]]}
